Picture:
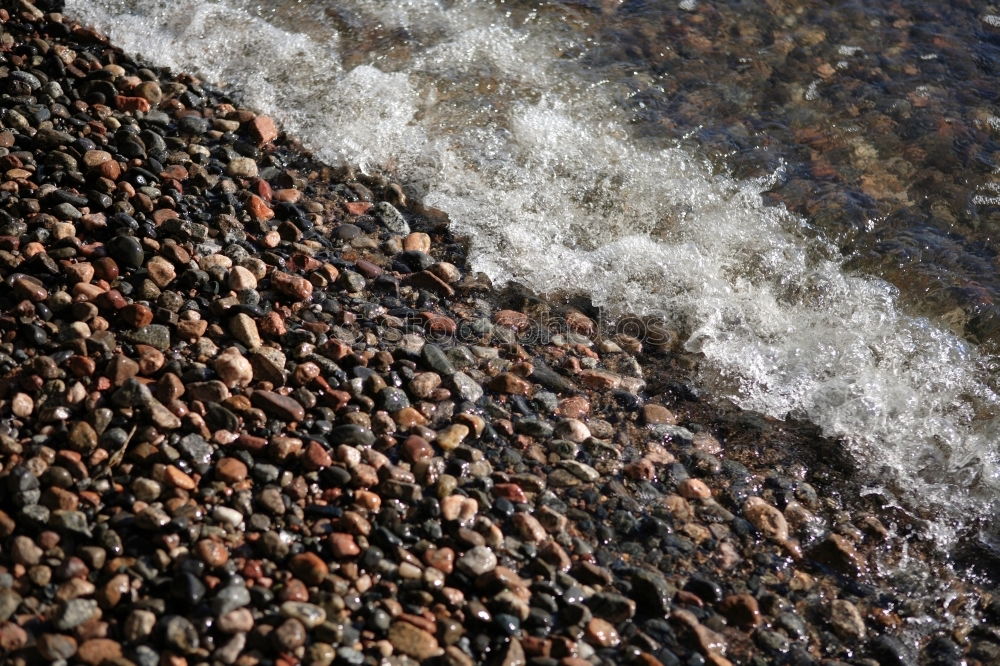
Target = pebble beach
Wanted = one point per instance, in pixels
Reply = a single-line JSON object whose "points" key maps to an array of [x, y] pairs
{"points": [[259, 409]]}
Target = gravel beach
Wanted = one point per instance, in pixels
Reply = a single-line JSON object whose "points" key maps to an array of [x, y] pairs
{"points": [[255, 409]]}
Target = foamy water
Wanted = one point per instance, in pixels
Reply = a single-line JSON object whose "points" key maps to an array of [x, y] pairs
{"points": [[489, 116]]}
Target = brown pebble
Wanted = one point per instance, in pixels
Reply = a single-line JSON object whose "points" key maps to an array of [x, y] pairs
{"points": [[230, 470], [413, 641], [178, 479], [277, 405], [22, 405], [309, 567], [693, 489], [343, 545], [507, 382], [741, 610], [315, 456], [136, 315], [416, 448], [766, 518], [263, 130], [99, 650], [602, 633], [653, 414]]}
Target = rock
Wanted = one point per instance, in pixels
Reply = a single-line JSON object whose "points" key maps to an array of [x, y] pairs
{"points": [[466, 388], [263, 130], [233, 368], [180, 634], [390, 218], [240, 278], [343, 545], [126, 250], [160, 271], [847, 621], [30, 288], [230, 470], [56, 647], [154, 335], [9, 601], [652, 592], [97, 651], [766, 518], [741, 610], [696, 489], [244, 329], [413, 641], [477, 561], [309, 568], [242, 167], [279, 406], [653, 414], [139, 625], [310, 615], [236, 621], [293, 286], [838, 553], [76, 612]]}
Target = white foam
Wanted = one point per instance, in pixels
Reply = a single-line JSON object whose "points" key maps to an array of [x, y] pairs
{"points": [[491, 122]]}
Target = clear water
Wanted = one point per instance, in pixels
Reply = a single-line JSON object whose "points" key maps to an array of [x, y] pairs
{"points": [[571, 166]]}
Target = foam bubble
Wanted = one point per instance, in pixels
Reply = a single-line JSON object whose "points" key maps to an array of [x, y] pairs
{"points": [[487, 117]]}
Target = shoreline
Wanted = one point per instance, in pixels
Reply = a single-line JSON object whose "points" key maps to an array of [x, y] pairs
{"points": [[264, 464]]}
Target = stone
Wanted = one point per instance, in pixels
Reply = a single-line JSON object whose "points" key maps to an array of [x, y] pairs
{"points": [[309, 568], [293, 286], [310, 615], [240, 278], [602, 633], [233, 368], [741, 610], [242, 167], [837, 552], [56, 647], [768, 520], [279, 406], [653, 414], [343, 545], [694, 489], [160, 271], [846, 620], [451, 437], [477, 561], [244, 328], [97, 651], [236, 621], [22, 405], [154, 335], [263, 130], [290, 634], [30, 288], [181, 634], [75, 612], [230, 470], [413, 641]]}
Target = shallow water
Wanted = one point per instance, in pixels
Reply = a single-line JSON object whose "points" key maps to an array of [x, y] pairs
{"points": [[634, 152]]}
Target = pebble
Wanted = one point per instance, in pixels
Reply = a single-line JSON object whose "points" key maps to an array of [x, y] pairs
{"points": [[310, 615], [846, 620], [279, 406], [244, 329], [230, 440], [413, 641], [233, 368], [477, 561]]}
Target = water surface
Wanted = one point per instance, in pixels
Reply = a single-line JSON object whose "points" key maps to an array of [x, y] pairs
{"points": [[805, 189]]}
